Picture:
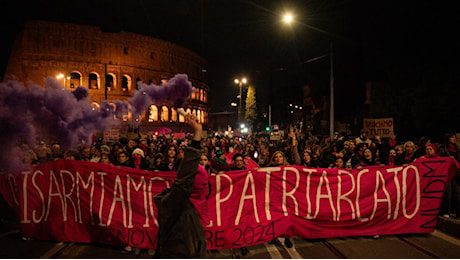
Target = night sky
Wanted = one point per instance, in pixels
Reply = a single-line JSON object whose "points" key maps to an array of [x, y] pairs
{"points": [[411, 46]]}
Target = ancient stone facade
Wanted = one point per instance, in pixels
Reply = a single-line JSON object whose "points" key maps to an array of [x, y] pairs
{"points": [[107, 64]]}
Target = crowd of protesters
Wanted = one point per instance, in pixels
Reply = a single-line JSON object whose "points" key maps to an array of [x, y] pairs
{"points": [[294, 147]]}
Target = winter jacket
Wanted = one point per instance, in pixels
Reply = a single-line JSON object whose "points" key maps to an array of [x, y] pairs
{"points": [[181, 233]]}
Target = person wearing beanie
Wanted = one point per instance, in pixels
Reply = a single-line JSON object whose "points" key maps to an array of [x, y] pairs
{"points": [[430, 151], [220, 157], [138, 159], [219, 162], [138, 151], [182, 209], [104, 149]]}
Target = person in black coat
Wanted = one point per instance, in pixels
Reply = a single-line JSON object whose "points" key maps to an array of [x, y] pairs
{"points": [[182, 207]]}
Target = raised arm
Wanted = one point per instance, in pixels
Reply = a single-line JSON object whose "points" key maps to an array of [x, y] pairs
{"points": [[197, 127], [189, 165]]}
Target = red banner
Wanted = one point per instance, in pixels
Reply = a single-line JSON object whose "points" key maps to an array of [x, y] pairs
{"points": [[93, 202]]}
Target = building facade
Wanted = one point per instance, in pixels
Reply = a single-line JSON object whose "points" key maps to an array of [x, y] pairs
{"points": [[108, 64]]}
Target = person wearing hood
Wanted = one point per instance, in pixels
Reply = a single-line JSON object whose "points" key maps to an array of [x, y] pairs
{"points": [[182, 209]]}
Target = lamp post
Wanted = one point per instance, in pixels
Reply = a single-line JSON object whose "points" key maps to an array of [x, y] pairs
{"points": [[240, 82], [289, 19]]}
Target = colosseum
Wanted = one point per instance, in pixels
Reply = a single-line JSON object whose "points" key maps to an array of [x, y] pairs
{"points": [[109, 65]]}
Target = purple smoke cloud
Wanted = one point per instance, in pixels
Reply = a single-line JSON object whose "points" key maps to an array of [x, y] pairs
{"points": [[33, 113], [175, 92], [80, 93]]}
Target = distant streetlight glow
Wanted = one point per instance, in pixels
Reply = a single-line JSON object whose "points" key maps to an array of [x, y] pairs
{"points": [[288, 18], [240, 82], [61, 76], [243, 81]]}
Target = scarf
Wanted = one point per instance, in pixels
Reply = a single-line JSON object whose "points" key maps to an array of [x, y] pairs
{"points": [[200, 192], [137, 161], [391, 160], [408, 158]]}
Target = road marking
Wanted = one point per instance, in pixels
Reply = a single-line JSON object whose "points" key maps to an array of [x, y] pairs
{"points": [[273, 251], [9, 233], [447, 237], [53, 250], [293, 252]]}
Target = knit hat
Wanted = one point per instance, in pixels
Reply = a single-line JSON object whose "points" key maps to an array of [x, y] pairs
{"points": [[432, 146], [105, 148], [139, 152], [219, 153]]}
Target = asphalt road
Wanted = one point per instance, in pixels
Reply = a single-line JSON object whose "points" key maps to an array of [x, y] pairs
{"points": [[435, 245]]}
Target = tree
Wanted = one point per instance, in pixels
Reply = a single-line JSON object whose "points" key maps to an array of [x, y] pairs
{"points": [[250, 111]]}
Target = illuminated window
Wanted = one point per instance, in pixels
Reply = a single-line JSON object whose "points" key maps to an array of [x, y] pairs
{"points": [[75, 79], [173, 115], [110, 81], [205, 97], [181, 118], [153, 113], [202, 117], [202, 95], [93, 81], [164, 114], [95, 105], [125, 83], [194, 92], [198, 116], [194, 112]]}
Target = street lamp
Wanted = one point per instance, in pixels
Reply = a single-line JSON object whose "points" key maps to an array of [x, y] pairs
{"points": [[289, 19], [61, 76], [240, 82]]}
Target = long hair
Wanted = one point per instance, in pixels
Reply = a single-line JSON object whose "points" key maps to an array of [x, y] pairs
{"points": [[285, 162], [165, 153], [446, 138]]}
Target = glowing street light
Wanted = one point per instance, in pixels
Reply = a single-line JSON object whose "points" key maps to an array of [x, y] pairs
{"points": [[61, 76], [289, 19], [240, 82]]}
